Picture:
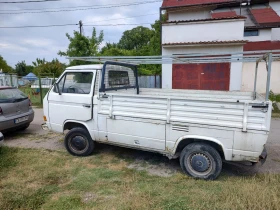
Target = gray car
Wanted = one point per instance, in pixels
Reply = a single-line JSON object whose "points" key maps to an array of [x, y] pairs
{"points": [[1, 139], [16, 112]]}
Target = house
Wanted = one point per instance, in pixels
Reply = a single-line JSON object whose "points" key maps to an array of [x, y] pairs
{"points": [[219, 26]]}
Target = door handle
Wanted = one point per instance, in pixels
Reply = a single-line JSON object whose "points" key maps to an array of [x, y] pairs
{"points": [[86, 106]]}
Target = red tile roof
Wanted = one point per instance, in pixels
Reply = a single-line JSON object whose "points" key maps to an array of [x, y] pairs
{"points": [[180, 3], [265, 16], [206, 42], [223, 14], [207, 19], [263, 45]]}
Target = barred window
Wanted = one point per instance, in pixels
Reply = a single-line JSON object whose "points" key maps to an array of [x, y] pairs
{"points": [[118, 77]]}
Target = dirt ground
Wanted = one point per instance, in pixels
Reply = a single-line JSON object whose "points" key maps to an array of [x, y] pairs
{"points": [[155, 164]]}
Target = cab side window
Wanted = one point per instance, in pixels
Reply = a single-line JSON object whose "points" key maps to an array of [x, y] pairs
{"points": [[76, 83]]}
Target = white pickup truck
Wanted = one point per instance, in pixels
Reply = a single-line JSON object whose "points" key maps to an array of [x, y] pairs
{"points": [[103, 103]]}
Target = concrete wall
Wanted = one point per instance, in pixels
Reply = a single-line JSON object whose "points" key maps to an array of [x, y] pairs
{"points": [[264, 35], [203, 31], [248, 76], [190, 14], [235, 71], [275, 6], [275, 35]]}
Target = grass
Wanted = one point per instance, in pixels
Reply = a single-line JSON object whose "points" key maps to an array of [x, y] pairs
{"points": [[34, 95], [41, 179]]}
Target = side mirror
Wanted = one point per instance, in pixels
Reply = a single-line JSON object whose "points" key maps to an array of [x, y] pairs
{"points": [[57, 88]]}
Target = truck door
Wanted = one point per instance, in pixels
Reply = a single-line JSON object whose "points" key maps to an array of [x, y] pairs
{"points": [[75, 101]]}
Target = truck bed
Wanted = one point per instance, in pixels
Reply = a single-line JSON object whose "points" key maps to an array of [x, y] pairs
{"points": [[215, 108]]}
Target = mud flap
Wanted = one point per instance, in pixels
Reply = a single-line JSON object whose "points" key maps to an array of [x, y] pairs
{"points": [[263, 156]]}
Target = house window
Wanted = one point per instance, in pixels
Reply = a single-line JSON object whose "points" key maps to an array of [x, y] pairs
{"points": [[251, 33]]}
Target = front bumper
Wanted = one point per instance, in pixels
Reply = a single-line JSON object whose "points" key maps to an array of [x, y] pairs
{"points": [[7, 124], [45, 127]]}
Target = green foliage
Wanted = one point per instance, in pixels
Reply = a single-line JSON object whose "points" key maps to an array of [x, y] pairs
{"points": [[135, 39], [4, 66], [22, 69], [274, 97], [81, 45], [53, 68], [139, 41]]}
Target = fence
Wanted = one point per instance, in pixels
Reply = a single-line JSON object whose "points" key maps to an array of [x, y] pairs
{"points": [[150, 81], [8, 80]]}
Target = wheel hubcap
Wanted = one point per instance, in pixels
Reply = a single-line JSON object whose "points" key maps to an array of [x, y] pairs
{"points": [[200, 164], [78, 143]]}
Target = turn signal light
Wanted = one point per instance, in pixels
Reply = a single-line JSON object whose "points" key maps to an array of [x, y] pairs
{"points": [[45, 118]]}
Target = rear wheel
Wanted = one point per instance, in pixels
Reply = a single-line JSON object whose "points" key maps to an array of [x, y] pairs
{"points": [[201, 160], [78, 142]]}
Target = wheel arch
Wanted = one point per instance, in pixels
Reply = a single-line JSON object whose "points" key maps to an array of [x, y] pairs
{"points": [[183, 141], [70, 124]]}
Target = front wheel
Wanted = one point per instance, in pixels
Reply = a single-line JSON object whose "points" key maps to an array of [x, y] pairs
{"points": [[78, 142], [201, 160]]}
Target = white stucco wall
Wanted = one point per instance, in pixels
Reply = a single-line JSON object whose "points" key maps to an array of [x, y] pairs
{"points": [[248, 76], [189, 14], [203, 31], [235, 71], [264, 35], [275, 35], [275, 6]]}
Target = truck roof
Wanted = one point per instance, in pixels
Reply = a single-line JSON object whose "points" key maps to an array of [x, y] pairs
{"points": [[85, 67]]}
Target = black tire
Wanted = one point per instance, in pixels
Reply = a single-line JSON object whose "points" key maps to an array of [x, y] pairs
{"points": [[202, 161], [78, 142]]}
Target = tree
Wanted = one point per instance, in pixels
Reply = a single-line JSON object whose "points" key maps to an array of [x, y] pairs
{"points": [[155, 44], [114, 50], [38, 62], [44, 68], [135, 39], [81, 45], [4, 66], [22, 69]]}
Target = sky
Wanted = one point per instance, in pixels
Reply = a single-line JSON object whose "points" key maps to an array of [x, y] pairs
{"points": [[30, 43]]}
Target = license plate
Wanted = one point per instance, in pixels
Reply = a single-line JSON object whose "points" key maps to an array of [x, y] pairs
{"points": [[22, 119]]}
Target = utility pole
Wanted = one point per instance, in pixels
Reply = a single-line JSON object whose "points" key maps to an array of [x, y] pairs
{"points": [[240, 6], [80, 25]]}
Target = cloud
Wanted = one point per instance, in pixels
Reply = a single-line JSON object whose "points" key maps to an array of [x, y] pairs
{"points": [[31, 43], [6, 46], [36, 42]]}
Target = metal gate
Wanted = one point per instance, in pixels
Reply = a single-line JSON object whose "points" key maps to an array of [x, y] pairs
{"points": [[203, 76]]}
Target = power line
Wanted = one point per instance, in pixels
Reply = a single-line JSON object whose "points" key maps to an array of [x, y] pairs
{"points": [[75, 24], [42, 26], [22, 2], [80, 9], [124, 24], [29, 9]]}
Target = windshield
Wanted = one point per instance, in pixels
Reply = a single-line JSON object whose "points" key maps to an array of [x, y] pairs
{"points": [[11, 95]]}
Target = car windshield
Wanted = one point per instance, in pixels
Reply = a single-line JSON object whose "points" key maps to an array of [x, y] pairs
{"points": [[11, 95]]}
